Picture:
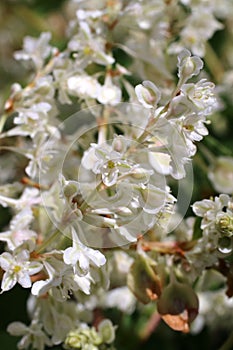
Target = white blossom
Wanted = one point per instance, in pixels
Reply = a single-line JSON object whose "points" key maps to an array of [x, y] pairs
{"points": [[221, 175], [90, 48], [83, 86], [36, 50], [18, 268], [81, 256], [109, 94], [32, 335], [209, 209], [19, 231], [103, 181], [29, 197]]}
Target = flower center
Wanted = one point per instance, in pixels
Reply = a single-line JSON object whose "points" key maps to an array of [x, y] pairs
{"points": [[16, 268]]}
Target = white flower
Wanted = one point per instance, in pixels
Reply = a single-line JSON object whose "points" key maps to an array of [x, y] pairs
{"points": [[83, 86], [36, 50], [29, 197], [114, 297], [34, 113], [33, 120], [55, 270], [61, 281], [32, 335], [221, 175], [19, 231], [208, 209], [129, 228], [109, 94], [200, 26], [84, 15], [167, 150], [201, 95], [90, 158], [193, 127], [89, 47], [105, 160], [18, 268], [160, 162], [81, 256], [84, 283]]}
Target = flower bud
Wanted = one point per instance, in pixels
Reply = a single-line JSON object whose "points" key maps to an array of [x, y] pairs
{"points": [[224, 224], [83, 337], [70, 190], [107, 331], [188, 65], [148, 94]]}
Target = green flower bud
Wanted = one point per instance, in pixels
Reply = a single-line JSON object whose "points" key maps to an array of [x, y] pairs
{"points": [[70, 190], [224, 224], [83, 338], [107, 331]]}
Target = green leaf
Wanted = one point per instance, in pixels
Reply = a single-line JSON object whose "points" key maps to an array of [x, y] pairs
{"points": [[197, 231]]}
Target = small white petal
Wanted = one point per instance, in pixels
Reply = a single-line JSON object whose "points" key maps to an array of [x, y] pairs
{"points": [[160, 162], [24, 279], [6, 260], [84, 283], [17, 328], [8, 281]]}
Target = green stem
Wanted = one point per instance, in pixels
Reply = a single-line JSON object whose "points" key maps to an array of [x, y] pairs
{"points": [[102, 126], [228, 343], [2, 121], [151, 123], [85, 204], [47, 242], [213, 63]]}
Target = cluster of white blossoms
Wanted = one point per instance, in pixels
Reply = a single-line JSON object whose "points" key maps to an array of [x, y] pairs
{"points": [[82, 187]]}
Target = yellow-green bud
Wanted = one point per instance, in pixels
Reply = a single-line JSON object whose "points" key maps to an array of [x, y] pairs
{"points": [[107, 331], [224, 225], [70, 190]]}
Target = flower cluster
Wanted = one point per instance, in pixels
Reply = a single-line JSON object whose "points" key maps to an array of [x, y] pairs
{"points": [[90, 195]]}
